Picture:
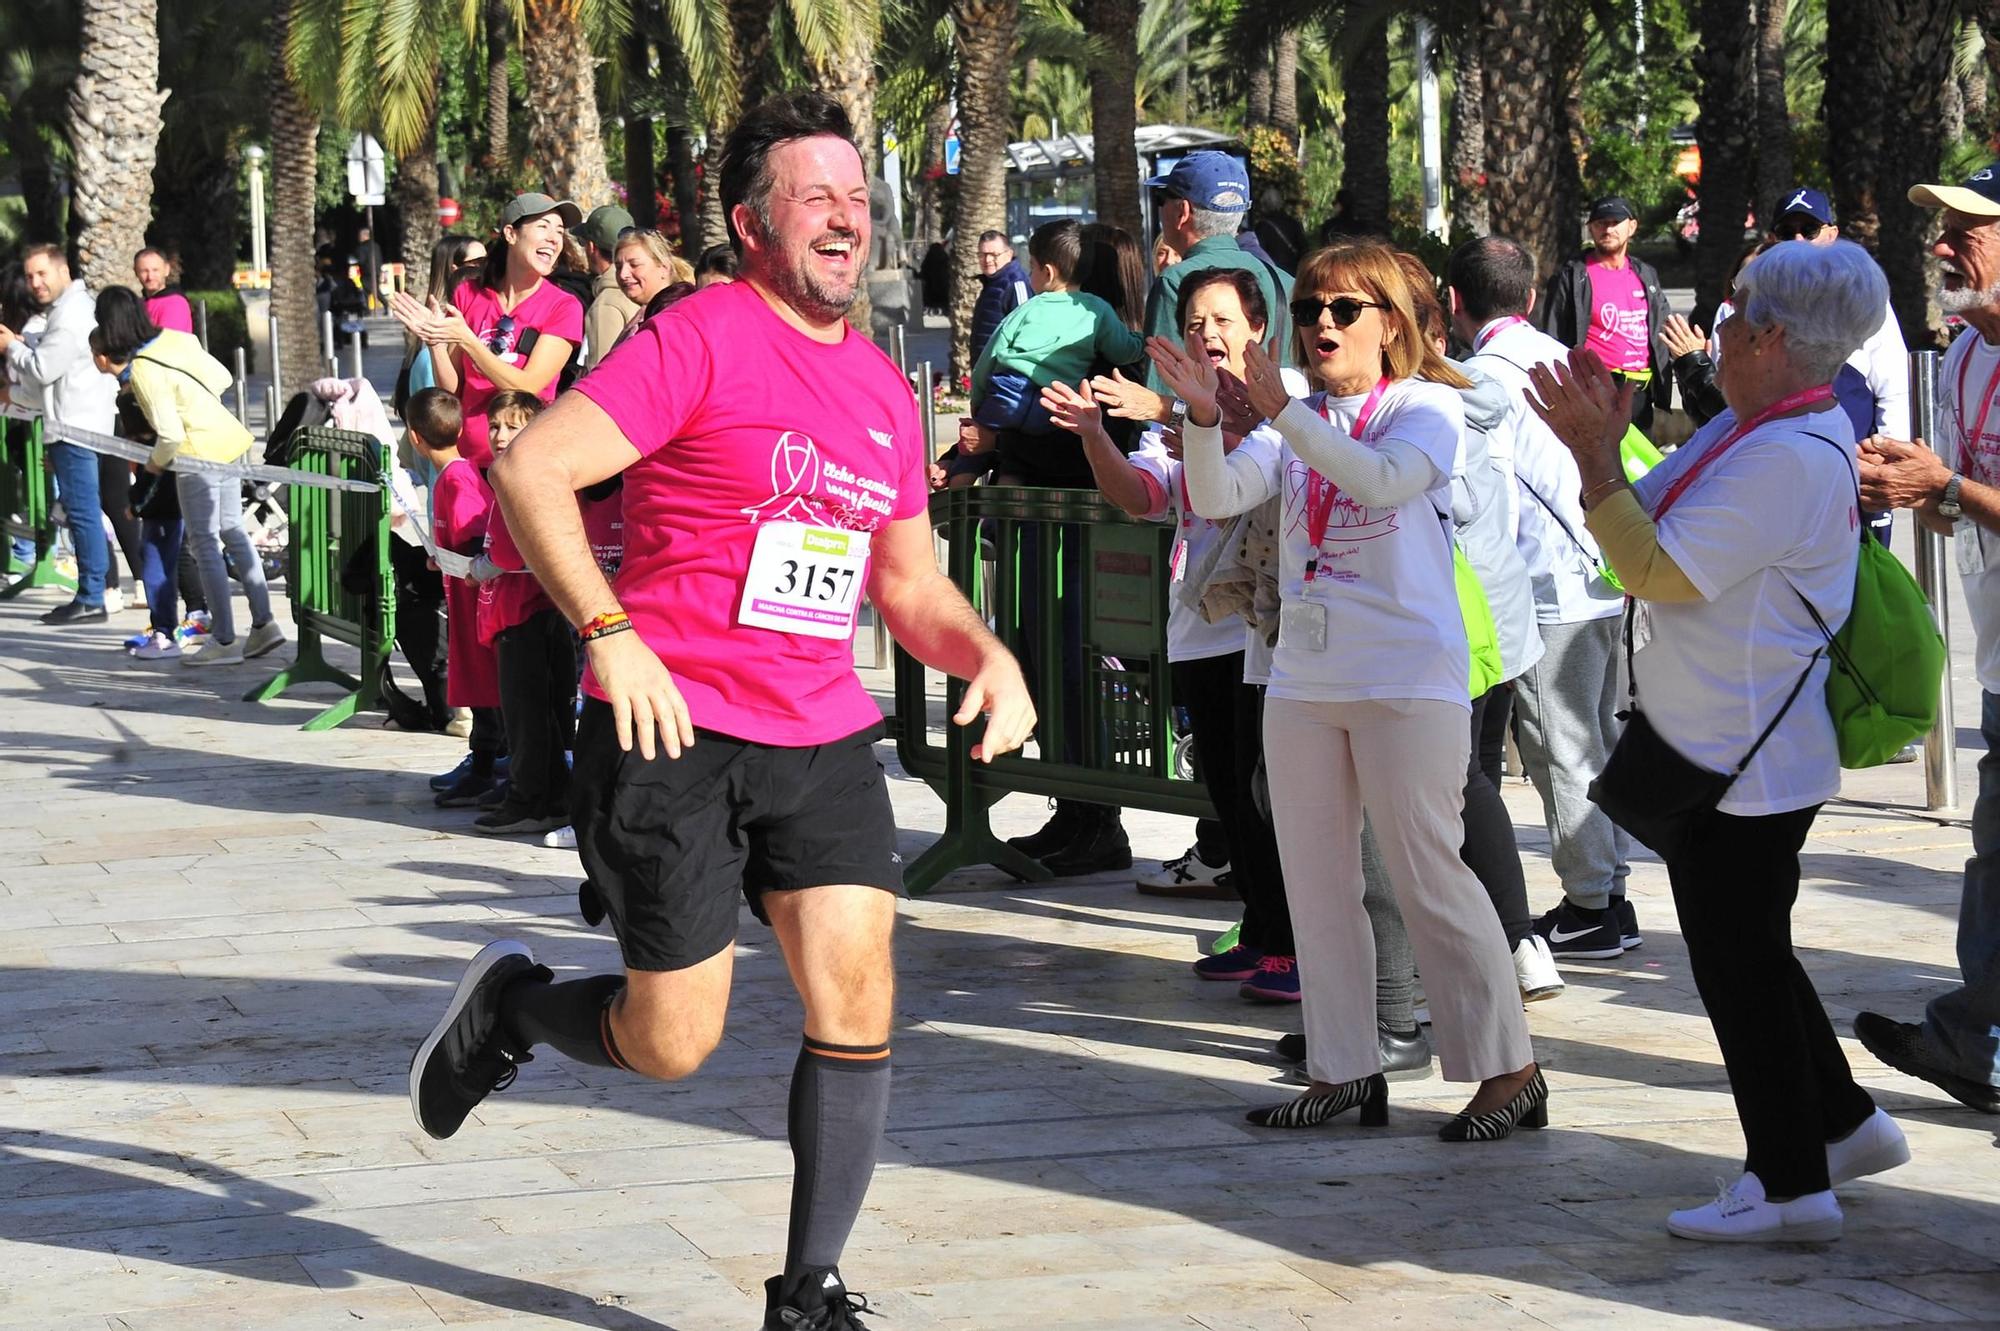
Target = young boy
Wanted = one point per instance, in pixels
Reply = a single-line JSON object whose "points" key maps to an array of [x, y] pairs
{"points": [[1058, 336], [460, 502], [537, 655]]}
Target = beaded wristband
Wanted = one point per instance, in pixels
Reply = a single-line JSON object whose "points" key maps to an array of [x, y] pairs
{"points": [[608, 622], [607, 631]]}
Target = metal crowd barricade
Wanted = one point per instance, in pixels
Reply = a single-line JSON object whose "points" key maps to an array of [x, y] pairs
{"points": [[1025, 557], [329, 530], [27, 493]]}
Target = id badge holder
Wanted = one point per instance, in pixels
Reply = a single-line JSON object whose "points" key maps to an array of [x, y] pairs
{"points": [[1302, 626], [1642, 626], [1177, 564], [1968, 548]]}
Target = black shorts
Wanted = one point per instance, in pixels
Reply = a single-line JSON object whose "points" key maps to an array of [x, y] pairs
{"points": [[669, 845]]}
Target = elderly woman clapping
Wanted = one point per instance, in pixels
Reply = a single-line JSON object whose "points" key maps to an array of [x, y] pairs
{"points": [[1736, 551]]}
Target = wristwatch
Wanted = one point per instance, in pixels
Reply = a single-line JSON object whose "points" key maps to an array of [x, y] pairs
{"points": [[1948, 503], [1178, 414]]}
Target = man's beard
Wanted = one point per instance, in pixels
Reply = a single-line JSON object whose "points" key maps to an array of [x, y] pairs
{"points": [[809, 292], [1965, 299]]}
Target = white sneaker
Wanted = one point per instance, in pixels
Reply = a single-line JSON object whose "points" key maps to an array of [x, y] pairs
{"points": [[157, 647], [1875, 1147], [264, 638], [1188, 871], [563, 838], [114, 600], [460, 725], [1535, 970], [215, 653], [1739, 1214]]}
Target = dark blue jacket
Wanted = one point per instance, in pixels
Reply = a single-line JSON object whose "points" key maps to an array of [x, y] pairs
{"points": [[1003, 291]]}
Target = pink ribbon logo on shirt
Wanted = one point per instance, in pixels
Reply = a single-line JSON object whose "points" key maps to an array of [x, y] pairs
{"points": [[794, 479]]}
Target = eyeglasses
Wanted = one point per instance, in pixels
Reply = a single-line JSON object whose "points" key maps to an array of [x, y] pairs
{"points": [[1798, 226], [1345, 310], [499, 344]]}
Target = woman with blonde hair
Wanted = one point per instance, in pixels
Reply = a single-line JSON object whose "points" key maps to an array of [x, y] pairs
{"points": [[1369, 695], [650, 274]]}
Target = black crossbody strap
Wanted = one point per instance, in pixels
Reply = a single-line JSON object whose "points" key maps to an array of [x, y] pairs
{"points": [[1568, 531]]}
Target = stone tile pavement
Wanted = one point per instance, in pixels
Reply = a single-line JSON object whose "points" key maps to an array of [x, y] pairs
{"points": [[220, 939]]}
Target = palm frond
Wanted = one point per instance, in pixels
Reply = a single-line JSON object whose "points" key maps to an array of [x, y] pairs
{"points": [[702, 38], [313, 50]]}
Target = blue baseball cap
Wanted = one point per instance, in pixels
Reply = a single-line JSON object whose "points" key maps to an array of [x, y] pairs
{"points": [[1212, 181], [1810, 202], [1979, 196]]}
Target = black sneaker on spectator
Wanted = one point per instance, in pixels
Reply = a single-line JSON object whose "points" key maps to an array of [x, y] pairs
{"points": [[463, 1060], [1628, 923], [813, 1300], [1569, 934], [1057, 832], [1189, 876], [1100, 846]]}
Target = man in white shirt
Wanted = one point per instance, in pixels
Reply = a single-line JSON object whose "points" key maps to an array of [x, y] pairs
{"points": [[1957, 489], [1567, 701]]}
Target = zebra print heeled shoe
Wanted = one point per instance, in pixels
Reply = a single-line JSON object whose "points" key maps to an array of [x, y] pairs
{"points": [[1528, 1109], [1370, 1094]]}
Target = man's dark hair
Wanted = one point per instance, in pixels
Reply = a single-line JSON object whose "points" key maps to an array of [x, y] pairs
{"points": [[1000, 236], [1058, 244], [1241, 280], [719, 259], [1492, 276], [746, 172], [46, 250], [435, 417], [121, 317]]}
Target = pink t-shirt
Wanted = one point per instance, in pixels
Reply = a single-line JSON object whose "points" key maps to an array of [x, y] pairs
{"points": [[548, 310], [170, 309], [1618, 331], [460, 503], [740, 419], [513, 598], [604, 526]]}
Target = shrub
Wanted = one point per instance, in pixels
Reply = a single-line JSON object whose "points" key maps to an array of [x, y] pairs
{"points": [[228, 329]]}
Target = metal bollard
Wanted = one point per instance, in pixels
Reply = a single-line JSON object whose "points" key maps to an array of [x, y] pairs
{"points": [[354, 356], [899, 351], [929, 408], [270, 412], [329, 344], [201, 322], [242, 388], [277, 380], [1933, 551]]}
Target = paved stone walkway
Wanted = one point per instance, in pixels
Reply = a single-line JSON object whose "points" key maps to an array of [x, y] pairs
{"points": [[220, 939]]}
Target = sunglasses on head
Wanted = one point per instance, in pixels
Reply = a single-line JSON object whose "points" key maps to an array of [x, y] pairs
{"points": [[497, 344], [1795, 226], [1345, 310]]}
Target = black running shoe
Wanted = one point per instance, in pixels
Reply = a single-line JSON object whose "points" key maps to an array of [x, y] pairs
{"points": [[1904, 1047], [1569, 934], [1057, 832], [463, 1060], [814, 1300], [1628, 924], [76, 612]]}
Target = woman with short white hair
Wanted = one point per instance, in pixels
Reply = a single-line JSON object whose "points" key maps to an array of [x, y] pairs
{"points": [[1739, 552]]}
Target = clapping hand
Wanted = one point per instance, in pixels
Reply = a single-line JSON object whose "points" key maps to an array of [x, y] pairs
{"points": [[1682, 337], [432, 322], [1264, 382], [1126, 400], [1075, 410], [1587, 409], [1898, 473], [1188, 371]]}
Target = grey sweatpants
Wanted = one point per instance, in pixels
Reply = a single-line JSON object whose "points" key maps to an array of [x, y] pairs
{"points": [[1567, 704], [212, 506]]}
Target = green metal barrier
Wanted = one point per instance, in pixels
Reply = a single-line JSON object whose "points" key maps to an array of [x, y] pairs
{"points": [[329, 528], [27, 493], [1017, 554]]}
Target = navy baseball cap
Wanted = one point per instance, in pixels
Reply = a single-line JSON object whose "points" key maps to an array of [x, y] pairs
{"points": [[1212, 181], [1810, 202], [1979, 196]]}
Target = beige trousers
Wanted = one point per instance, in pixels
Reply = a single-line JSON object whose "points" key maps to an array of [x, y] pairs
{"points": [[1403, 760]]}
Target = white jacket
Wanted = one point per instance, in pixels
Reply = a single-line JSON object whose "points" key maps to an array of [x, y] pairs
{"points": [[57, 374]]}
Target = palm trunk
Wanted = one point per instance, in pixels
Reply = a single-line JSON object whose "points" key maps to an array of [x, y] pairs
{"points": [[641, 174], [984, 32], [1723, 63], [930, 210], [687, 196], [1853, 109], [1257, 111], [1364, 175], [499, 23], [565, 144], [1469, 210], [750, 30], [849, 78], [417, 197], [1181, 102], [1113, 111], [714, 230], [1285, 85], [1774, 116], [294, 179], [1916, 39], [114, 130], [1524, 141]]}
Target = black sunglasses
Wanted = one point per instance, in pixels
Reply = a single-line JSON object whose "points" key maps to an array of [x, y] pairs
{"points": [[497, 344], [1345, 310], [1798, 227]]}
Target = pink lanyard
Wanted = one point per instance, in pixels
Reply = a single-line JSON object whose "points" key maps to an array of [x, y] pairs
{"points": [[1498, 328], [1805, 398], [1968, 447], [1320, 492]]}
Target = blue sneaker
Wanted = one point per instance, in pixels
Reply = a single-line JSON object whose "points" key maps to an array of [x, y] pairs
{"points": [[446, 780], [1239, 963], [1275, 981], [467, 791], [138, 640]]}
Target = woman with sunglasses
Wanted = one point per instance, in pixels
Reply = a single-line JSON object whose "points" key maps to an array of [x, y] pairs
{"points": [[1369, 703], [508, 328]]}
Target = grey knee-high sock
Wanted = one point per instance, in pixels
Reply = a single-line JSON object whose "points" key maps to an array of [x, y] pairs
{"points": [[839, 1106], [1395, 965]]}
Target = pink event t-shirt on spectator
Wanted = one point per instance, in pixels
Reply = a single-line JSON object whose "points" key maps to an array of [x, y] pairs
{"points": [[516, 596], [170, 309], [548, 310], [460, 504], [739, 419], [1618, 330]]}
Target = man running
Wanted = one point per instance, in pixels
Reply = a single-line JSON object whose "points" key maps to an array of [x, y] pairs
{"points": [[773, 469]]}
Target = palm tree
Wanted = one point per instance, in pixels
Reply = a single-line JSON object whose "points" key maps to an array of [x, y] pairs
{"points": [[1114, 24], [1774, 116], [1727, 95], [1853, 110], [1524, 135], [1364, 125], [500, 21], [565, 143], [984, 31], [1467, 194], [114, 130], [296, 50]]}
